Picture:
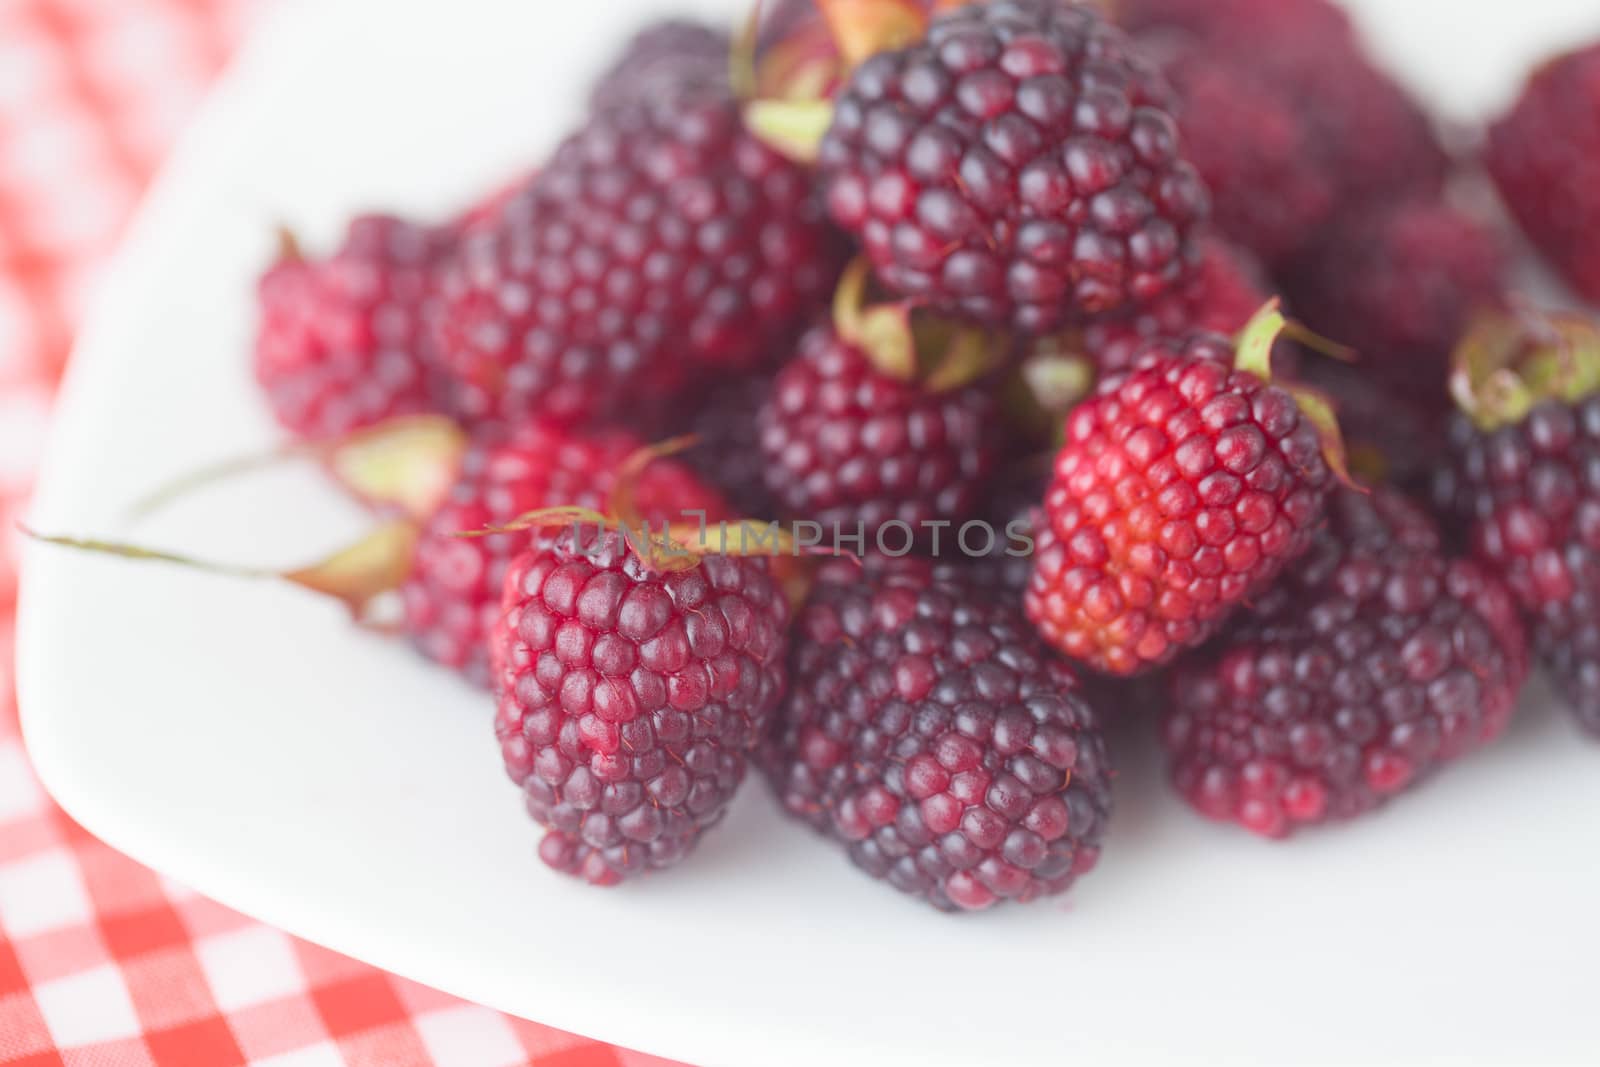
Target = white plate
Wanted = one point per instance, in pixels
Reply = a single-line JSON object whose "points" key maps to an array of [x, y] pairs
{"points": [[244, 739]]}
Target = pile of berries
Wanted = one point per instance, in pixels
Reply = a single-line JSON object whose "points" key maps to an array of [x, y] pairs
{"points": [[978, 302]]}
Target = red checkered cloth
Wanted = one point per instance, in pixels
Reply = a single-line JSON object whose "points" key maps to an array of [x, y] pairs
{"points": [[103, 963]]}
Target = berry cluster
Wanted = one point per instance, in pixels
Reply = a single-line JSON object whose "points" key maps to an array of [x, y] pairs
{"points": [[1009, 265]]}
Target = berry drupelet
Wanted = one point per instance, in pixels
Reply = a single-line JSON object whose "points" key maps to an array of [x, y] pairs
{"points": [[1377, 660], [344, 341], [452, 595], [929, 731], [629, 696], [1184, 488], [1228, 287], [1545, 157], [661, 241], [1020, 167], [1525, 478], [846, 443]]}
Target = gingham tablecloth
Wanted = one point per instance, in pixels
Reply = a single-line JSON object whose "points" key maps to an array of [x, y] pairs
{"points": [[104, 963]]}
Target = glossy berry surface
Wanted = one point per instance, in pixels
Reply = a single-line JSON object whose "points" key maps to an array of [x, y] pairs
{"points": [[929, 731], [845, 443], [1400, 283], [1183, 489], [1545, 157], [1019, 167], [452, 596], [629, 698], [343, 342], [1376, 661], [659, 242], [1530, 494]]}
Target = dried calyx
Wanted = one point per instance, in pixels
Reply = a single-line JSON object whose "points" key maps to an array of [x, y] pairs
{"points": [[909, 344], [788, 87], [1510, 362], [667, 547], [406, 464], [357, 575]]}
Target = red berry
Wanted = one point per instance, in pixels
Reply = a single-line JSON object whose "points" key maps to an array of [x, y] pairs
{"points": [[1287, 118], [1399, 283], [629, 697], [1529, 492], [929, 731], [1018, 167], [343, 342], [1184, 488], [452, 596], [847, 443], [661, 241], [1375, 661], [1545, 157]]}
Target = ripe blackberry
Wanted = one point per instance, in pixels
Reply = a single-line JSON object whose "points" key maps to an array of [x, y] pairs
{"points": [[1399, 283], [1525, 478], [452, 595], [629, 697], [929, 731], [1285, 116], [846, 442], [1545, 157], [1227, 289], [663, 55], [1184, 488], [1019, 167], [343, 342], [1376, 661], [661, 241]]}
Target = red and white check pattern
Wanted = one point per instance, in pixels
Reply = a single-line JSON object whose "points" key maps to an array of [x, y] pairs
{"points": [[103, 963]]}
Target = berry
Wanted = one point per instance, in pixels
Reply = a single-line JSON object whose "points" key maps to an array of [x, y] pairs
{"points": [[1400, 283], [661, 241], [1254, 149], [452, 595], [929, 731], [629, 697], [1019, 167], [847, 443], [1227, 289], [1545, 158], [1525, 481], [343, 342], [1286, 117], [664, 54], [1376, 661], [727, 450], [1184, 488]]}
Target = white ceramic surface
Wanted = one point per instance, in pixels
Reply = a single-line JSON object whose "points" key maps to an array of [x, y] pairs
{"points": [[244, 739]]}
